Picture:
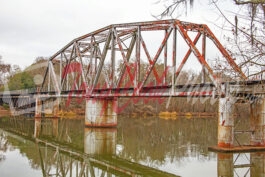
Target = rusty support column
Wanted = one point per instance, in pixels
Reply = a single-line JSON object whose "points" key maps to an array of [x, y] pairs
{"points": [[226, 122], [101, 112], [98, 141], [203, 55], [225, 164], [257, 122]]}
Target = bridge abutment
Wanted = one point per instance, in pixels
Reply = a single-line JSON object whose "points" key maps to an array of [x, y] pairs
{"points": [[101, 112]]}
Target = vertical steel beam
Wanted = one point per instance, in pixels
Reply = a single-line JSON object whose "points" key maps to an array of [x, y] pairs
{"points": [[165, 60], [113, 41], [174, 53], [138, 59], [49, 77], [60, 70], [203, 55]]}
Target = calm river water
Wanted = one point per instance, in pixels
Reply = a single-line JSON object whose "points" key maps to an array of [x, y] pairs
{"points": [[137, 147]]}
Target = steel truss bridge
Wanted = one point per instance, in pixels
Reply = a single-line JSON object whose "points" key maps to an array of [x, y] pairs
{"points": [[136, 59], [146, 59]]}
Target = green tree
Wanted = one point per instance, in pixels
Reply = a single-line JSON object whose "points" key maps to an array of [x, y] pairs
{"points": [[22, 80]]}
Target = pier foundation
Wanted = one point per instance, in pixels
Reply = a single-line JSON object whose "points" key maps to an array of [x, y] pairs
{"points": [[101, 112]]}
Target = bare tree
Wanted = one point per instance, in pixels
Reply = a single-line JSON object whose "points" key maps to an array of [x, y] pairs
{"points": [[4, 71], [246, 38], [171, 6], [245, 33]]}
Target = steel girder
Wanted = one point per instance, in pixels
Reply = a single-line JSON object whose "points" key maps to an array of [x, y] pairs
{"points": [[113, 57]]}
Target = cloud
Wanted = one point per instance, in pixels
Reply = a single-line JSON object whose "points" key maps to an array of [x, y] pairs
{"points": [[32, 28]]}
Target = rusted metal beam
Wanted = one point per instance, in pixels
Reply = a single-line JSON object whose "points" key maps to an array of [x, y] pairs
{"points": [[224, 52], [155, 59], [196, 52], [187, 56]]}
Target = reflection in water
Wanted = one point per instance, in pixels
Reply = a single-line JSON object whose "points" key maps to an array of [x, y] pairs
{"points": [[154, 140], [63, 147], [100, 141], [3, 146], [241, 164], [61, 151]]}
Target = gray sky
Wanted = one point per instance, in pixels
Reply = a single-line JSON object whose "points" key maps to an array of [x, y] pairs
{"points": [[32, 28]]}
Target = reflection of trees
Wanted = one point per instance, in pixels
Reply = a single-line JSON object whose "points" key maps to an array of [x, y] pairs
{"points": [[3, 146], [69, 132], [155, 139]]}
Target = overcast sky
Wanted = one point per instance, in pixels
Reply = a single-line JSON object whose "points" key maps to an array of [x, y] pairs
{"points": [[32, 28]]}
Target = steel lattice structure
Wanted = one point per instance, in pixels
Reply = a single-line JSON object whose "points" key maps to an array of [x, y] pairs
{"points": [[112, 58]]}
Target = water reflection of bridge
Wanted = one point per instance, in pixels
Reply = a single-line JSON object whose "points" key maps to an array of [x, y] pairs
{"points": [[64, 150], [61, 159]]}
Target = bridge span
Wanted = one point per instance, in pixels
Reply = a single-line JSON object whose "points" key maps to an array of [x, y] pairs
{"points": [[146, 59]]}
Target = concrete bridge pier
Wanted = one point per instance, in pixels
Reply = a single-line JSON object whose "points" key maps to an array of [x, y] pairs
{"points": [[226, 122], [257, 122], [101, 112]]}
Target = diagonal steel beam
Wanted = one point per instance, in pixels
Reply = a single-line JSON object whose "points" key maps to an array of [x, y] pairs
{"points": [[103, 56], [150, 68], [196, 52], [125, 58], [187, 56], [224, 52]]}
